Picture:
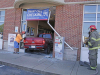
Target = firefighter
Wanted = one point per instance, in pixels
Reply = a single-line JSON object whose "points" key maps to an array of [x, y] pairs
{"points": [[93, 44]]}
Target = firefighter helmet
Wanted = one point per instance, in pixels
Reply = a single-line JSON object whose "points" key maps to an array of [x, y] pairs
{"points": [[93, 27]]}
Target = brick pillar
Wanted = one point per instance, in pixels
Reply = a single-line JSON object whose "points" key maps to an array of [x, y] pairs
{"points": [[68, 23], [12, 19]]}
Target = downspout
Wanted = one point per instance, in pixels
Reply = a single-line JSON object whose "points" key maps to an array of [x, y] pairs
{"points": [[56, 31]]}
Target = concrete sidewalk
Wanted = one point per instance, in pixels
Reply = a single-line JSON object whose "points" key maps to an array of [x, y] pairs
{"points": [[40, 63]]}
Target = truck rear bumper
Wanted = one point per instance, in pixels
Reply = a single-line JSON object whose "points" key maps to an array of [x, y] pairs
{"points": [[34, 47]]}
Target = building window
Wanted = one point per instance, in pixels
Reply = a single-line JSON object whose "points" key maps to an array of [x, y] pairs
{"points": [[91, 17], [2, 18]]}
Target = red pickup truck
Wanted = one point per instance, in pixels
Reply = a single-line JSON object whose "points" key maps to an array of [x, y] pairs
{"points": [[43, 41]]}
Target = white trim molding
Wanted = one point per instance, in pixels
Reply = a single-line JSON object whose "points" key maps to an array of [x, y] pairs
{"points": [[6, 8], [37, 3], [47, 3], [84, 2]]}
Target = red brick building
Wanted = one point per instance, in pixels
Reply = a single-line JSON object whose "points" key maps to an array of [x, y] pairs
{"points": [[72, 18]]}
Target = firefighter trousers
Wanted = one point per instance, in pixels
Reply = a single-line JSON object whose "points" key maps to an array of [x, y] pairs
{"points": [[93, 61]]}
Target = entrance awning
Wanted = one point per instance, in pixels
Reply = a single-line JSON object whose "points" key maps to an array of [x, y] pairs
{"points": [[37, 3]]}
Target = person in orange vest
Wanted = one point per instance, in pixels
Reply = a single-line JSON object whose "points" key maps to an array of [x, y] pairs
{"points": [[16, 42]]}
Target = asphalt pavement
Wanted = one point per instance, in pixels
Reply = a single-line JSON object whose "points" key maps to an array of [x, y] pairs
{"points": [[8, 70]]}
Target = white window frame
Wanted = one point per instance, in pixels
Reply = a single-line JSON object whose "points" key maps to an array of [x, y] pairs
{"points": [[91, 13], [22, 21], [89, 21]]}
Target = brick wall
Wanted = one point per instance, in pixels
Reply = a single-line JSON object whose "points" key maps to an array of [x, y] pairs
{"points": [[6, 3], [78, 0], [68, 23], [12, 19]]}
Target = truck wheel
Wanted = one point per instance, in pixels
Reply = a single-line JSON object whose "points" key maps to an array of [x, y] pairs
{"points": [[27, 50], [47, 50]]}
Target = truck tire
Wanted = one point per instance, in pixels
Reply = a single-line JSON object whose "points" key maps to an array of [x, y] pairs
{"points": [[47, 50], [27, 50]]}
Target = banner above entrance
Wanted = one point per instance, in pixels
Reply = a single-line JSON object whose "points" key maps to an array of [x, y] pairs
{"points": [[37, 14]]}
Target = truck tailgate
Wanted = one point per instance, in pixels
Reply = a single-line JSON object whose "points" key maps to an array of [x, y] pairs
{"points": [[33, 41]]}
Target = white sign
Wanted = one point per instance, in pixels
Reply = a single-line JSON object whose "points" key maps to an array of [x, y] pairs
{"points": [[16, 29], [58, 44], [59, 47], [11, 39]]}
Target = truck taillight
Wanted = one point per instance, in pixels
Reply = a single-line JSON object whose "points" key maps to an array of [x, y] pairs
{"points": [[24, 41], [43, 41]]}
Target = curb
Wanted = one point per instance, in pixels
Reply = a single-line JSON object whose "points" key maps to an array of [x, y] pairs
{"points": [[27, 69]]}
